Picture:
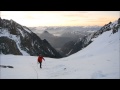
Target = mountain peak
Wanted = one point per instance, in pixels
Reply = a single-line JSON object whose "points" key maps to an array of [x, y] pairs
{"points": [[12, 21], [46, 34], [20, 40]]}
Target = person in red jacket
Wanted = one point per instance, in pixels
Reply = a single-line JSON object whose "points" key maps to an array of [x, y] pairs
{"points": [[40, 58]]}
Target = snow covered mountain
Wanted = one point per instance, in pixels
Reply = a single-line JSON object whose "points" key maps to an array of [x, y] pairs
{"points": [[110, 26], [20, 40], [99, 60], [72, 47]]}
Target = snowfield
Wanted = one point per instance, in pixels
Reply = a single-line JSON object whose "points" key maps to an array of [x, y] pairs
{"points": [[99, 60]]}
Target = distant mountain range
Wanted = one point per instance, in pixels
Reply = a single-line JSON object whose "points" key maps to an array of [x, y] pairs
{"points": [[71, 39], [59, 30], [60, 37]]}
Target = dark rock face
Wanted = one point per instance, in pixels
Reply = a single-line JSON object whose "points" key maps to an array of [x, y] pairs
{"points": [[75, 46], [119, 21], [8, 46], [16, 39], [106, 27]]}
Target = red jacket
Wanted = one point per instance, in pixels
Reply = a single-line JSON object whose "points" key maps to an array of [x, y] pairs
{"points": [[40, 58]]}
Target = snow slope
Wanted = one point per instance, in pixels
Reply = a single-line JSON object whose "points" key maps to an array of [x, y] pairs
{"points": [[99, 60]]}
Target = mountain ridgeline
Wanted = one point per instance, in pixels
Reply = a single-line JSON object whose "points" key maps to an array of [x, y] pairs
{"points": [[74, 39], [19, 40], [72, 47], [110, 26]]}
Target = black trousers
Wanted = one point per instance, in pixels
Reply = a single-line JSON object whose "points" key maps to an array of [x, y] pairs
{"points": [[40, 64]]}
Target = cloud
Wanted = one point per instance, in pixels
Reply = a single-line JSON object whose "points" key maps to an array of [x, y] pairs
{"points": [[34, 18], [101, 19], [76, 14]]}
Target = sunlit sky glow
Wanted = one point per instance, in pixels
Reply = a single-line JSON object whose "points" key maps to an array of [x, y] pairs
{"points": [[61, 18]]}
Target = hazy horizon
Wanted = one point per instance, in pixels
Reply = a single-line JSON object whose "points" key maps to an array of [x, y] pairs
{"points": [[61, 18]]}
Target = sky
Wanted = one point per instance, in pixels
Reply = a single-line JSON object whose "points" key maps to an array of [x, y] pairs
{"points": [[61, 18]]}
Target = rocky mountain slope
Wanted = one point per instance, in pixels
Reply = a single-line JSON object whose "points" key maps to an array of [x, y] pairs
{"points": [[20, 40], [74, 46]]}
